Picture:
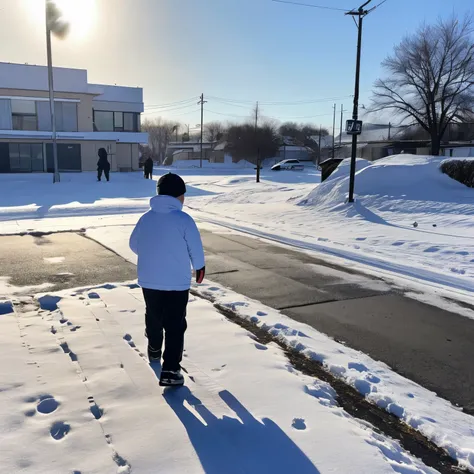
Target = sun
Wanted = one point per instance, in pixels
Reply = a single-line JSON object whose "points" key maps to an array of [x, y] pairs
{"points": [[80, 14]]}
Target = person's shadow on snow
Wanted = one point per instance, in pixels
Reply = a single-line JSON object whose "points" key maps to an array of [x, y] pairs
{"points": [[237, 445]]}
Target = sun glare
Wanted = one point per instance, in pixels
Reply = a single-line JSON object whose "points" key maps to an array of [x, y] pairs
{"points": [[80, 14]]}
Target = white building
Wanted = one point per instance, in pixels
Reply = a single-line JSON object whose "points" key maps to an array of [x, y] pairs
{"points": [[88, 117]]}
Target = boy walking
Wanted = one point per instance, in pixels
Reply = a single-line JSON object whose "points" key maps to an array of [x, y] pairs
{"points": [[168, 243]]}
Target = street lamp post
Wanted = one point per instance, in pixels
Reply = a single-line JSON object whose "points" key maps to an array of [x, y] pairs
{"points": [[54, 25], [56, 176]]}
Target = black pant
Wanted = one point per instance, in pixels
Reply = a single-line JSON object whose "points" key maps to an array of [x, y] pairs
{"points": [[99, 174], [166, 310], [148, 174]]}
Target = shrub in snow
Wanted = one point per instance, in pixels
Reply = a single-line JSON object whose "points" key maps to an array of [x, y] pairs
{"points": [[460, 170]]}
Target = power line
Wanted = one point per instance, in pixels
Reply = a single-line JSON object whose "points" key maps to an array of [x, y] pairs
{"points": [[380, 4], [238, 103], [311, 5], [171, 104], [158, 112], [232, 100], [299, 117], [229, 115], [270, 117], [187, 106]]}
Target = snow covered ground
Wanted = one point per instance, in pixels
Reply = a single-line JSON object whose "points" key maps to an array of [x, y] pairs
{"points": [[288, 207], [437, 419], [392, 195], [77, 395], [291, 207]]}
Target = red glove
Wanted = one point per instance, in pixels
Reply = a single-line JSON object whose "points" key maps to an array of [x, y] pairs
{"points": [[200, 274]]}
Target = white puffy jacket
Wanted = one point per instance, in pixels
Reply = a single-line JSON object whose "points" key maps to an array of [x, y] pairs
{"points": [[167, 242]]}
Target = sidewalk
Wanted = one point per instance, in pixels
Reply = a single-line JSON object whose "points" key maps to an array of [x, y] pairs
{"points": [[79, 396]]}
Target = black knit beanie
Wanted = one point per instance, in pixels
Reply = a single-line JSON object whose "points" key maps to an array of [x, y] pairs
{"points": [[171, 185]]}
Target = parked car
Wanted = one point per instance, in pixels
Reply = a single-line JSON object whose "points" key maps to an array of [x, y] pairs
{"points": [[288, 165]]}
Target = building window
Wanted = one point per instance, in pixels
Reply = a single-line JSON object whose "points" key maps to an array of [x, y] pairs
{"points": [[115, 121], [130, 122], [24, 115], [26, 157], [118, 121], [66, 116], [103, 121]]}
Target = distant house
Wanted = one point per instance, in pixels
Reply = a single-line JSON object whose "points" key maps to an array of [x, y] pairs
{"points": [[294, 152], [458, 149], [179, 151], [372, 132]]}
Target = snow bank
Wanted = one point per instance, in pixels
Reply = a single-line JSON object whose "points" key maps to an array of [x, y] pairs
{"points": [[399, 178], [437, 419]]}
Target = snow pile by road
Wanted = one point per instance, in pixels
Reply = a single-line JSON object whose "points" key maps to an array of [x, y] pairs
{"points": [[405, 206], [441, 422], [400, 185], [78, 395]]}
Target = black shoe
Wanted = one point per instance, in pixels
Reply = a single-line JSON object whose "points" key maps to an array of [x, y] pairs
{"points": [[169, 378], [154, 355]]}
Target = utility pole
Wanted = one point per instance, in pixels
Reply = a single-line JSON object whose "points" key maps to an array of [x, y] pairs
{"points": [[389, 129], [320, 135], [360, 13], [201, 103], [258, 149], [342, 119], [56, 176], [334, 133]]}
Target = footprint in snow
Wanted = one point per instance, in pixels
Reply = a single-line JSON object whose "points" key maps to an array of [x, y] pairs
{"points": [[47, 404], [373, 379], [59, 430], [432, 250], [458, 271], [299, 424], [96, 411], [261, 347], [363, 386], [49, 303], [357, 366]]}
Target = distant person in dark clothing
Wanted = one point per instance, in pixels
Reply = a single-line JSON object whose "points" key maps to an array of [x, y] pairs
{"points": [[148, 168], [103, 165]]}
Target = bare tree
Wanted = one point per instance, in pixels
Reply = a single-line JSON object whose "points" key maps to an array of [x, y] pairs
{"points": [[303, 134], [245, 139], [214, 131], [431, 77], [160, 133]]}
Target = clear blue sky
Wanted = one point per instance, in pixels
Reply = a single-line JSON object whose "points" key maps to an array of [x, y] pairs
{"points": [[245, 50]]}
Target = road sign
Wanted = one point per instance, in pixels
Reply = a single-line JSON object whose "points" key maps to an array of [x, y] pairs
{"points": [[354, 127]]}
